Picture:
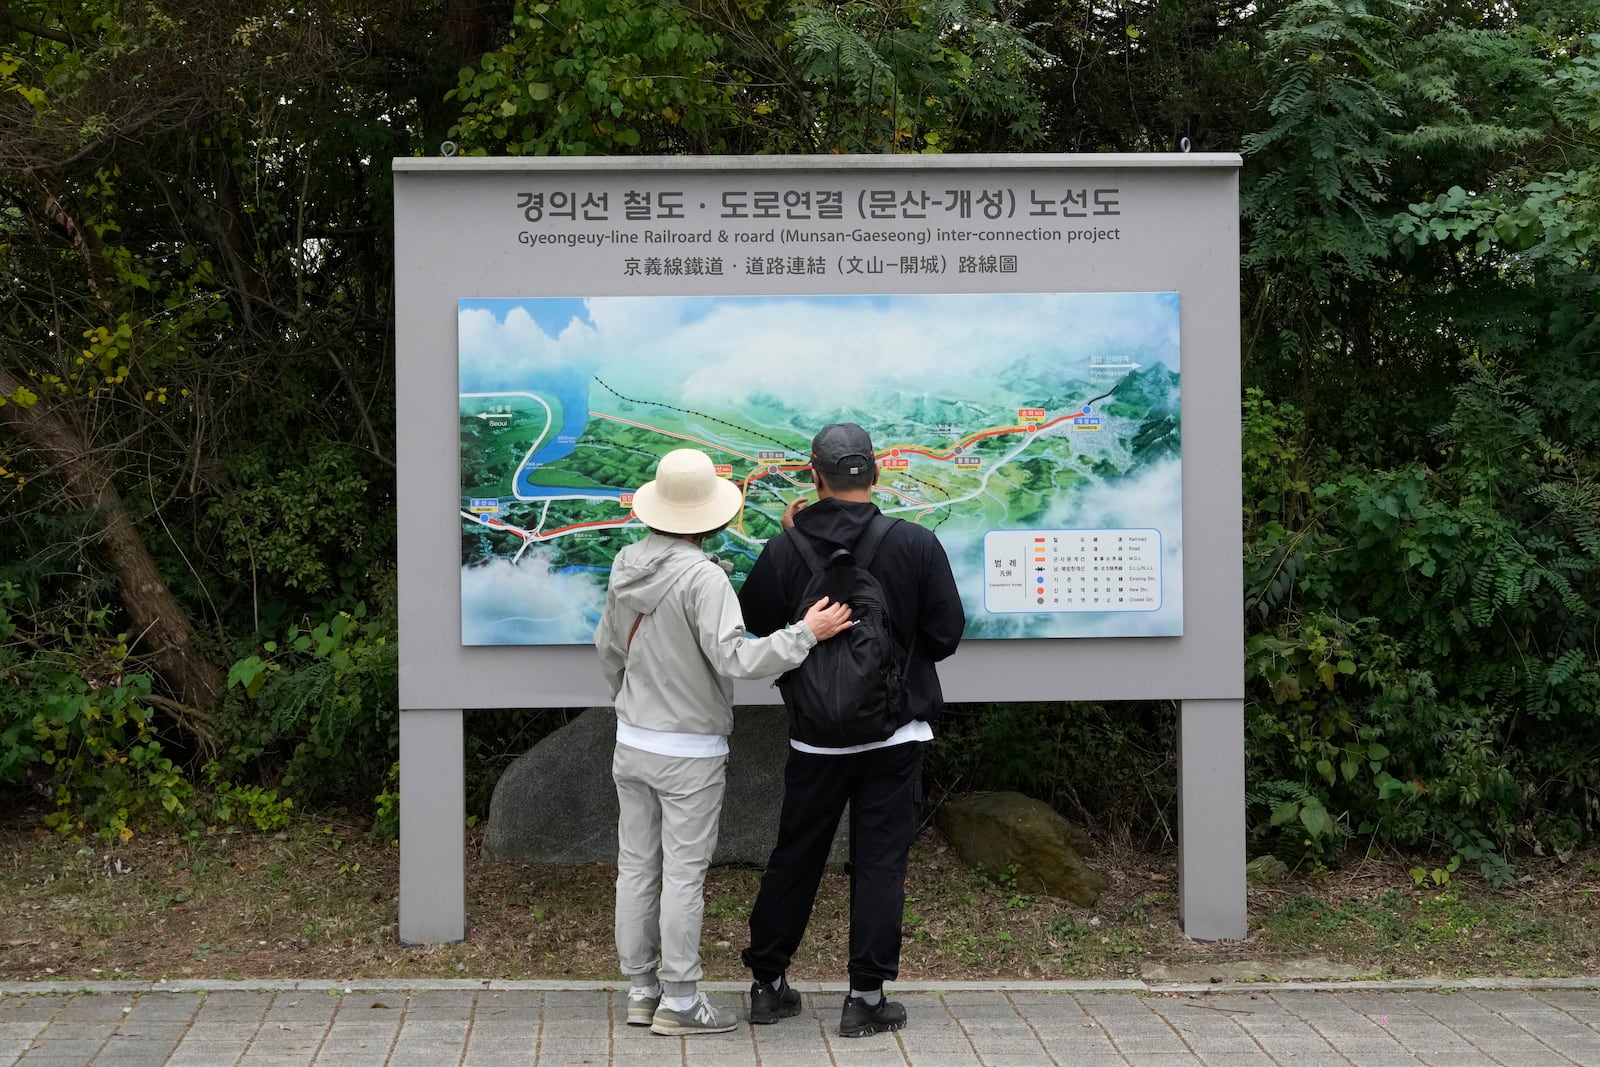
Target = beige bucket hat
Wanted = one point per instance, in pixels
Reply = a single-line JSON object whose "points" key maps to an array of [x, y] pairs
{"points": [[686, 496]]}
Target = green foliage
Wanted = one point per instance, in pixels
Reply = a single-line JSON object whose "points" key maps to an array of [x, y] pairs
{"points": [[75, 716], [386, 809], [580, 77], [914, 76], [588, 77], [233, 803], [1420, 468], [298, 525], [316, 711], [1329, 102], [1423, 663], [1304, 826]]}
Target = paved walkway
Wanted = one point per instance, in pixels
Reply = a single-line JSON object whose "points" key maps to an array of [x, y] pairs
{"points": [[531, 1024]]}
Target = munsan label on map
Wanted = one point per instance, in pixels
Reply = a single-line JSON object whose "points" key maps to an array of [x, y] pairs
{"points": [[1037, 434]]}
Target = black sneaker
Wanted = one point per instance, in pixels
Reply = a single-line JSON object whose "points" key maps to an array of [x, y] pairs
{"points": [[861, 1019], [767, 1005]]}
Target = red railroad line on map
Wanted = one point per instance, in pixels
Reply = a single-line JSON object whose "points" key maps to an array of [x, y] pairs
{"points": [[529, 535], [970, 439]]}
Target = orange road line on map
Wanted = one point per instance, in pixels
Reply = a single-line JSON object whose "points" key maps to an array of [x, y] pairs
{"points": [[764, 467], [973, 438]]}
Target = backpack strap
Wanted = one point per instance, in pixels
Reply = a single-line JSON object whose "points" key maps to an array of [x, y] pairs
{"points": [[871, 538], [637, 619], [808, 551], [867, 550]]}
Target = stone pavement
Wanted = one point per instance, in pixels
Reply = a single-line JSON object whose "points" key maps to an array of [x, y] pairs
{"points": [[543, 1024]]}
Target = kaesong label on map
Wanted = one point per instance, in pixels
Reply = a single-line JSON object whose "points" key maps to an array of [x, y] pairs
{"points": [[1037, 434]]}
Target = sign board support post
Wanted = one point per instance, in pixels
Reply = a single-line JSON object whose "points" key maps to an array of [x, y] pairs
{"points": [[1211, 830], [433, 820]]}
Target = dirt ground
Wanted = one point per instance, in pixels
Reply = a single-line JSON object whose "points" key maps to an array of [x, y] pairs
{"points": [[319, 901]]}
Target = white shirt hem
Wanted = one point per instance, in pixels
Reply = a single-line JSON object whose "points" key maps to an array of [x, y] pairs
{"points": [[915, 730], [670, 743]]}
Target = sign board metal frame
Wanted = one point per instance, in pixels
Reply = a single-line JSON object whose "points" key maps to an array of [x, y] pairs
{"points": [[460, 233]]}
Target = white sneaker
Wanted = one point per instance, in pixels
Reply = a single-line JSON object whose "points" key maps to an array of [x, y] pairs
{"points": [[701, 1018], [642, 1006]]}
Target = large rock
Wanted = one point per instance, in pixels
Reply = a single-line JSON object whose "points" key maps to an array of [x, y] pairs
{"points": [[1008, 834], [557, 803]]}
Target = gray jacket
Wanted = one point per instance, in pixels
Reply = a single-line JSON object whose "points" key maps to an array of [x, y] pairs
{"points": [[690, 642]]}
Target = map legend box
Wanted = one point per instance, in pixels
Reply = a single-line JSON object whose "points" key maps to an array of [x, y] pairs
{"points": [[1034, 571]]}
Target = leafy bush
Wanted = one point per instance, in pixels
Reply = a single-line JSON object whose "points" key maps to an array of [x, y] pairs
{"points": [[295, 525], [1421, 669], [237, 804], [77, 718], [315, 713]]}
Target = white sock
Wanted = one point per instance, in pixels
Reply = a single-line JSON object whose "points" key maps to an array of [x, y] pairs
{"points": [[871, 996], [680, 1003], [645, 992]]}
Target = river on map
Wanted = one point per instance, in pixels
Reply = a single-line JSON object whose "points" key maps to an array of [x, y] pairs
{"points": [[574, 397]]}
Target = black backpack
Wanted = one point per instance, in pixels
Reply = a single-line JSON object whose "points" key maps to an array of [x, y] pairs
{"points": [[850, 688]]}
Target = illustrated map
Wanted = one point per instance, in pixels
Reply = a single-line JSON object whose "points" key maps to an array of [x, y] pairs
{"points": [[1037, 434]]}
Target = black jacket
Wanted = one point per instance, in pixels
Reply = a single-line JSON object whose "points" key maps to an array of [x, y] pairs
{"points": [[910, 564]]}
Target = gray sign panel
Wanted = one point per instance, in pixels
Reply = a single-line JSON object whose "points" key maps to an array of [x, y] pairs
{"points": [[504, 263]]}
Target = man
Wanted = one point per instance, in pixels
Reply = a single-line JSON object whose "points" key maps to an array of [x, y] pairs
{"points": [[881, 781]]}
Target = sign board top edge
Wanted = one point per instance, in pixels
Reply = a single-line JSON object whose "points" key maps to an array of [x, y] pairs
{"points": [[950, 161]]}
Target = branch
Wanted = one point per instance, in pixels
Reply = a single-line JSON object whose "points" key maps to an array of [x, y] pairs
{"points": [[17, 22], [86, 242], [198, 722]]}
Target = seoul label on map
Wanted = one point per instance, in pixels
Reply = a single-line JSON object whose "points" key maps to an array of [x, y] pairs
{"points": [[1037, 434]]}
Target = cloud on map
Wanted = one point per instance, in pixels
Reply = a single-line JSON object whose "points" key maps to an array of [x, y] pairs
{"points": [[505, 603], [815, 352], [500, 353], [1151, 497]]}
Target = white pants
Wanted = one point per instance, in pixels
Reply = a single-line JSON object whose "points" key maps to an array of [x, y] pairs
{"points": [[666, 833]]}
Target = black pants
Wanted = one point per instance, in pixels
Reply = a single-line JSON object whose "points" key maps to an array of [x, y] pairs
{"points": [[883, 787]]}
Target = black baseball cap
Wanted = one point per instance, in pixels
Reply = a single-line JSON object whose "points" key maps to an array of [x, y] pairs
{"points": [[842, 448]]}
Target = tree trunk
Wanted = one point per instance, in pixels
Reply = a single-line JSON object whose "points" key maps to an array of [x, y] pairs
{"points": [[467, 29], [159, 625]]}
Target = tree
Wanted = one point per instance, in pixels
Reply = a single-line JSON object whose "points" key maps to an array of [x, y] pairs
{"points": [[608, 76], [1424, 576], [1143, 75], [193, 218]]}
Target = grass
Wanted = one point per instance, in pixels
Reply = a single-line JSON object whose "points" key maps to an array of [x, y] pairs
{"points": [[318, 901], [1454, 929]]}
